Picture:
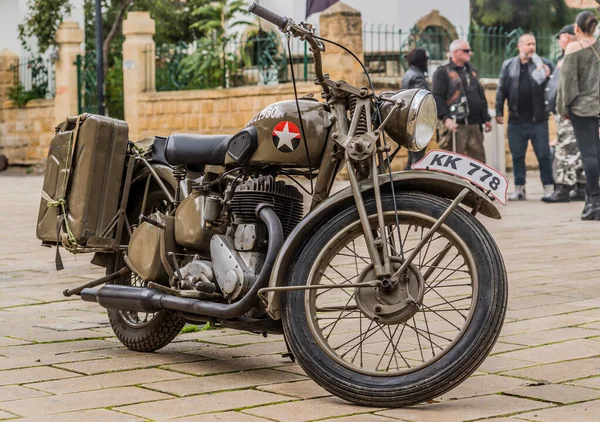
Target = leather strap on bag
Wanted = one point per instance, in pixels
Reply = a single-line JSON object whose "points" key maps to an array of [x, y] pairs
{"points": [[65, 188], [70, 155], [57, 259], [60, 203]]}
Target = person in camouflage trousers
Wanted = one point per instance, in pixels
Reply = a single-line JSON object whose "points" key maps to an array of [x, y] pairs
{"points": [[567, 165]]}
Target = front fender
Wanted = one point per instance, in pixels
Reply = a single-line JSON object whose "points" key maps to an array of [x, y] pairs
{"points": [[438, 184]]}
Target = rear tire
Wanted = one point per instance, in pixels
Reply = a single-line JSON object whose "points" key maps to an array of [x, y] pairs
{"points": [[327, 356], [143, 332]]}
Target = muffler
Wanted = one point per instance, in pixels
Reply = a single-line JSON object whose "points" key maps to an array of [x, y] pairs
{"points": [[124, 298], [128, 298]]}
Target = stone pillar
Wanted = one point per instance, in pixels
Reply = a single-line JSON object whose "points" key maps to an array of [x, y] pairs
{"points": [[69, 38], [8, 79], [138, 65], [342, 24], [7, 75]]}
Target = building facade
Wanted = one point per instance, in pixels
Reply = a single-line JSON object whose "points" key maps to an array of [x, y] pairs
{"points": [[13, 12]]}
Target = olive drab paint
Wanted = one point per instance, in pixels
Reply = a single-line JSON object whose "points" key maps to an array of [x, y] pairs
{"points": [[316, 120], [225, 229], [82, 187]]}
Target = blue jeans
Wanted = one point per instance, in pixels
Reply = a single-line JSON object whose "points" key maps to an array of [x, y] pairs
{"points": [[518, 139]]}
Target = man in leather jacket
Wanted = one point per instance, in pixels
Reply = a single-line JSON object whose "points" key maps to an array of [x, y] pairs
{"points": [[415, 78], [522, 82], [460, 99]]}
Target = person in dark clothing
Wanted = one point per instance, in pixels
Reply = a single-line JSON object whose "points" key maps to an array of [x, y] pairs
{"points": [[522, 82], [461, 104], [415, 77], [579, 100]]}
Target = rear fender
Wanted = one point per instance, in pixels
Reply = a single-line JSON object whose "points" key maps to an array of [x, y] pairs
{"points": [[438, 184], [163, 171]]}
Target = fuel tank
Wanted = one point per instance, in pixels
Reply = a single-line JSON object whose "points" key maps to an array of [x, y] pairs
{"points": [[279, 140]]}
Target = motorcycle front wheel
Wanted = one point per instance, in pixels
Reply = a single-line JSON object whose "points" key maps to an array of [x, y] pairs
{"points": [[413, 340]]}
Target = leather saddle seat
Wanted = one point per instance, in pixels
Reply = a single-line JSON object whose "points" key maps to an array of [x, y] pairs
{"points": [[196, 151]]}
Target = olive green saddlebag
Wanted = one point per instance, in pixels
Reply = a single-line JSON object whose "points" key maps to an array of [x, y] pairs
{"points": [[82, 183]]}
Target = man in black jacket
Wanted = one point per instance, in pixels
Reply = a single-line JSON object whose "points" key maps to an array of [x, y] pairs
{"points": [[522, 82], [461, 104]]}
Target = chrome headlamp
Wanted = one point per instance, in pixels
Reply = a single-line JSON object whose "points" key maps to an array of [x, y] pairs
{"points": [[413, 125]]}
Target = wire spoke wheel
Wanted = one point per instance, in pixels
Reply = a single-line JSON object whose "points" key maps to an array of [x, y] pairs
{"points": [[407, 340], [137, 319], [376, 342], [141, 331]]}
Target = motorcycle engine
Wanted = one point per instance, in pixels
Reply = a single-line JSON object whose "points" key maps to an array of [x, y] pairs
{"points": [[239, 256], [286, 200]]}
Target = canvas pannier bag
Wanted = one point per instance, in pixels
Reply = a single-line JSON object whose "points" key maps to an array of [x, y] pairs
{"points": [[82, 182]]}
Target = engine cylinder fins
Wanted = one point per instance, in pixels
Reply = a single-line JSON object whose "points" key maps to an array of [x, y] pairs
{"points": [[268, 184], [287, 201]]}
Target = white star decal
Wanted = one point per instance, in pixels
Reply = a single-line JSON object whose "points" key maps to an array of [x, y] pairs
{"points": [[285, 137]]}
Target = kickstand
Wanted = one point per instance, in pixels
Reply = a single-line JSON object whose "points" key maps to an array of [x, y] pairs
{"points": [[289, 353]]}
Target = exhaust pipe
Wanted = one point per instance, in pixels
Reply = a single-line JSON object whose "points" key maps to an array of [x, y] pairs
{"points": [[128, 298]]}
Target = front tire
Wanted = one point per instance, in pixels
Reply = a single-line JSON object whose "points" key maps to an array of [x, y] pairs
{"points": [[403, 357]]}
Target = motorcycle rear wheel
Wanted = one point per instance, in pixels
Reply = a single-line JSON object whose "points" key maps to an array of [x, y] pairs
{"points": [[139, 331], [396, 355]]}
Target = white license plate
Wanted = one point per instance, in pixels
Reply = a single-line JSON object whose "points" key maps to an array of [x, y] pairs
{"points": [[484, 176]]}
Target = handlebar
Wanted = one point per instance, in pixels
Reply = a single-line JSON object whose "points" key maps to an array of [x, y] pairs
{"points": [[279, 21], [288, 26]]}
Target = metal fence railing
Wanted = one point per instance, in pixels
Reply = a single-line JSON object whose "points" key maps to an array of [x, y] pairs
{"points": [[33, 78], [260, 59], [385, 48]]}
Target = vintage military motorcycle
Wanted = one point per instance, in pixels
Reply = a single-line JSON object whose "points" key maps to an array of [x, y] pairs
{"points": [[389, 292]]}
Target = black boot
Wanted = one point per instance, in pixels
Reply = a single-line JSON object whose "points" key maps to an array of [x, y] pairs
{"points": [[591, 210], [561, 194], [578, 194]]}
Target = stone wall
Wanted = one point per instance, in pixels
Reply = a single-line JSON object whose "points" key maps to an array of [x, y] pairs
{"points": [[224, 111], [220, 111], [26, 132]]}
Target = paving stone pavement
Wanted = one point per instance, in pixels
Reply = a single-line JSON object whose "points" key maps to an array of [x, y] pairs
{"points": [[60, 362]]}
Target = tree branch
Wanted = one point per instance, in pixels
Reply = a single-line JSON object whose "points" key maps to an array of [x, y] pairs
{"points": [[116, 27]]}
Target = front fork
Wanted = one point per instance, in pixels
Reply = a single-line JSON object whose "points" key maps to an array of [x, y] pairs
{"points": [[381, 261], [381, 266], [378, 249], [366, 147]]}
